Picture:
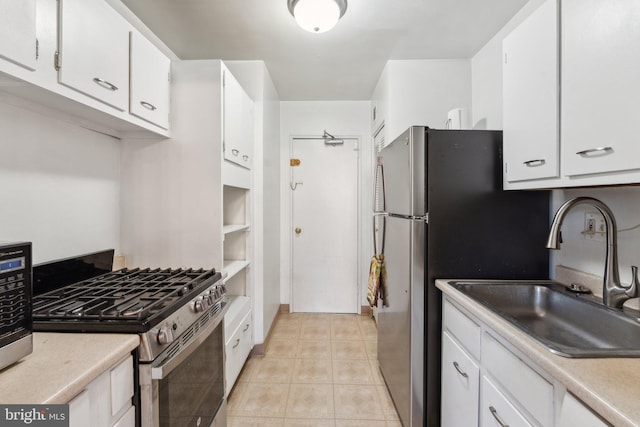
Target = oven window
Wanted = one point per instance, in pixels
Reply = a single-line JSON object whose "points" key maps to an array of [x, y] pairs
{"points": [[191, 393]]}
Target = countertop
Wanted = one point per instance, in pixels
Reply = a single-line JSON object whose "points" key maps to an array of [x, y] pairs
{"points": [[610, 386], [61, 366]]}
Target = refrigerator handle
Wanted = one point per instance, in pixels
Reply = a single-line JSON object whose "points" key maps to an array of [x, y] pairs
{"points": [[379, 201]]}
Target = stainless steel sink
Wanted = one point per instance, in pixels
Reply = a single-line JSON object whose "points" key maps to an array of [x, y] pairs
{"points": [[567, 324]]}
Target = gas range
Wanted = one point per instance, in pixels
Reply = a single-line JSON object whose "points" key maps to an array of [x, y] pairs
{"points": [[159, 304]]}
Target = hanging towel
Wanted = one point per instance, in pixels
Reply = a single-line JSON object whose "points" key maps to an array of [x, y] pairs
{"points": [[377, 287]]}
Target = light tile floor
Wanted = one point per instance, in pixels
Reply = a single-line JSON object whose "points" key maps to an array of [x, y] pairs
{"points": [[318, 370]]}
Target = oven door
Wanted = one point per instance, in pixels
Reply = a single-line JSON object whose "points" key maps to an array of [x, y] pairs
{"points": [[187, 383]]}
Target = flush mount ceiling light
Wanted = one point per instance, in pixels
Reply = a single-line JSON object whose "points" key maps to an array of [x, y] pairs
{"points": [[317, 16]]}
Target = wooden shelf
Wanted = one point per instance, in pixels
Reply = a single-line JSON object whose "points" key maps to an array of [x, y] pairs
{"points": [[232, 228], [234, 266]]}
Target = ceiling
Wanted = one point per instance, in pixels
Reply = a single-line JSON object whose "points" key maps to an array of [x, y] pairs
{"points": [[342, 64]]}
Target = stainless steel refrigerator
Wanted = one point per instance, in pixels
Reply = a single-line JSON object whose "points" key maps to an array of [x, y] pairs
{"points": [[446, 217]]}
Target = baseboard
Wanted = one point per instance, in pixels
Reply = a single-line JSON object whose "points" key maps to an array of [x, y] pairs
{"points": [[260, 349], [366, 310]]}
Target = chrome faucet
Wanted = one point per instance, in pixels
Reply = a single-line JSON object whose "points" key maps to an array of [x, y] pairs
{"points": [[613, 293]]}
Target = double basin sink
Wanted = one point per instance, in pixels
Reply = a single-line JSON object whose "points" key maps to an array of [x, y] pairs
{"points": [[568, 324]]}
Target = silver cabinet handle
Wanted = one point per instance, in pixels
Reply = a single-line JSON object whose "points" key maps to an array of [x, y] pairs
{"points": [[105, 84], [148, 106], [237, 343], [460, 371], [245, 157], [534, 163], [245, 328], [603, 150], [494, 412], [235, 152]]}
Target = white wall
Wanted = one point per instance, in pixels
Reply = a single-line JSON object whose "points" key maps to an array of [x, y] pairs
{"points": [[60, 185], [271, 203], [589, 255], [421, 92], [338, 118], [576, 252]]}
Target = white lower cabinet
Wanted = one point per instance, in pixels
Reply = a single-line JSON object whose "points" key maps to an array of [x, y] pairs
{"points": [[573, 413], [499, 387], [518, 379], [496, 410], [106, 401], [80, 410], [460, 377], [238, 328]]}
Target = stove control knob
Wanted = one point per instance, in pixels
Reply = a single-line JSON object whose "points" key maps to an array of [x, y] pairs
{"points": [[165, 335], [208, 298], [199, 305]]}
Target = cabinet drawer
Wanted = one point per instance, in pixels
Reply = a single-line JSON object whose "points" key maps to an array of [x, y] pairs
{"points": [[460, 385], [237, 349], [465, 330], [496, 410], [239, 306], [518, 380], [121, 385]]}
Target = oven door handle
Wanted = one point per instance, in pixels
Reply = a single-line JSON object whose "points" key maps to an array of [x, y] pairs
{"points": [[163, 369]]}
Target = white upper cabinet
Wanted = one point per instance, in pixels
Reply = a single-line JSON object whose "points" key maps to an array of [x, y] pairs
{"points": [[149, 82], [18, 32], [530, 97], [94, 51], [238, 122], [600, 86]]}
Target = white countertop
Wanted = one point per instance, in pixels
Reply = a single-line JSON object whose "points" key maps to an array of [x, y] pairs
{"points": [[610, 386], [61, 366]]}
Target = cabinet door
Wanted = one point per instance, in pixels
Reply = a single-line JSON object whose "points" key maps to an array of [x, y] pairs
{"points": [[238, 122], [246, 118], [80, 411], [530, 96], [149, 82], [18, 32], [496, 410], [94, 51], [460, 386], [574, 413], [232, 125], [600, 86]]}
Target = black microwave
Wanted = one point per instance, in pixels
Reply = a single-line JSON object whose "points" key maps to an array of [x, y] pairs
{"points": [[16, 294]]}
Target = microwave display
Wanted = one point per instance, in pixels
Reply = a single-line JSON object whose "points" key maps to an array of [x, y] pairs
{"points": [[11, 265]]}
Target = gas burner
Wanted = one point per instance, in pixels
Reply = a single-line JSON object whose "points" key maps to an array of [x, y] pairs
{"points": [[127, 300]]}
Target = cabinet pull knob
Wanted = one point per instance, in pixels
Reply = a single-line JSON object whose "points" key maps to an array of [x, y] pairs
{"points": [[105, 84], [460, 371], [235, 152], [148, 106], [600, 150], [237, 343], [494, 412], [245, 328], [534, 163], [245, 157]]}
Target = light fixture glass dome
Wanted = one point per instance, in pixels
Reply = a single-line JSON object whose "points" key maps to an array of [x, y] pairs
{"points": [[317, 16]]}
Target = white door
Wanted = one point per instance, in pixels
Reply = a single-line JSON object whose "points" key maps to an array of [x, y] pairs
{"points": [[324, 226]]}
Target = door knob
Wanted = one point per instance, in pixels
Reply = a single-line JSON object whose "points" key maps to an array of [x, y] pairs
{"points": [[298, 230]]}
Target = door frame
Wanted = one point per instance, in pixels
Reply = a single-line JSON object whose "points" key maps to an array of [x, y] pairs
{"points": [[359, 248]]}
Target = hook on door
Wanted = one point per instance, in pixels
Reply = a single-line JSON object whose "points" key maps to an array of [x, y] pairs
{"points": [[294, 185]]}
